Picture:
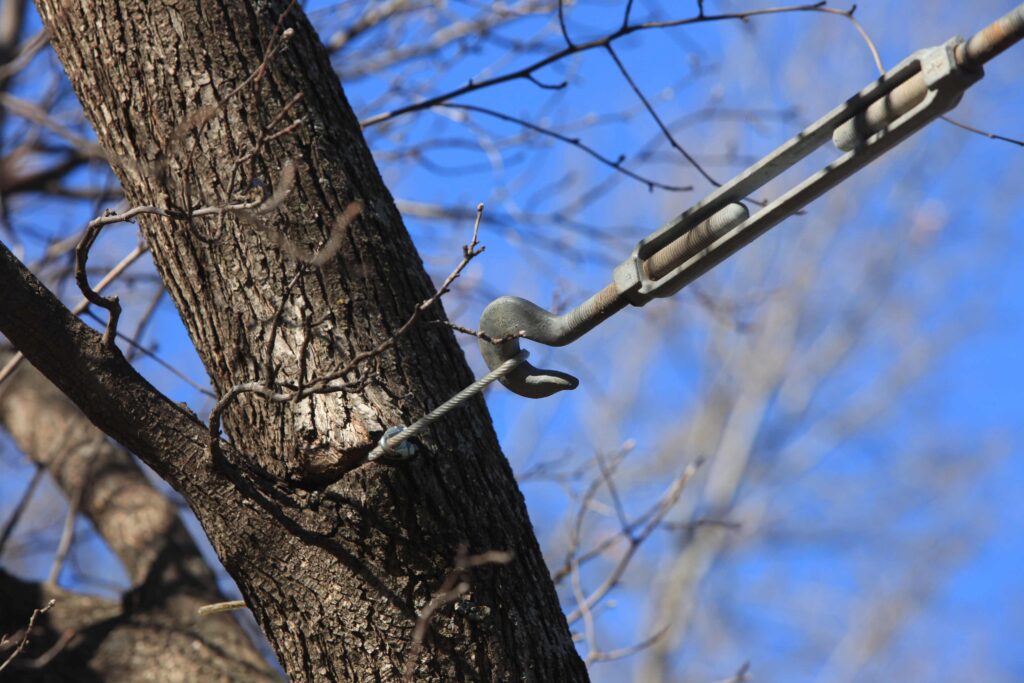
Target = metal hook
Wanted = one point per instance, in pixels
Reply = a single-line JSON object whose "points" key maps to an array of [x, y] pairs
{"points": [[510, 317]]}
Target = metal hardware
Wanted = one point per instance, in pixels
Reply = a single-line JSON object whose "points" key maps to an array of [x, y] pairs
{"points": [[396, 445], [511, 315], [400, 452], [866, 126], [947, 61]]}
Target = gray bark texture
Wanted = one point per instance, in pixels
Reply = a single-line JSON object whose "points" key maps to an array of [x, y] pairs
{"points": [[334, 557]]}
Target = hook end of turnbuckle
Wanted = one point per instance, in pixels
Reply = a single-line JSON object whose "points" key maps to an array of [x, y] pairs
{"points": [[504, 321], [533, 382]]}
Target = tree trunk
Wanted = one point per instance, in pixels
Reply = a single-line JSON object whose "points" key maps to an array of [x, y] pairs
{"points": [[335, 557]]}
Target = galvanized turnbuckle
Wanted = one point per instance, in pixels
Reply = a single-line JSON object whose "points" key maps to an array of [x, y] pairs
{"points": [[927, 84], [636, 281]]}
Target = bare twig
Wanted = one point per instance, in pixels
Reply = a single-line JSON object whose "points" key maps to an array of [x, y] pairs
{"points": [[137, 349], [92, 231], [380, 55], [307, 336], [267, 134], [657, 119], [278, 40], [112, 275], [664, 506], [221, 607], [67, 535], [28, 50], [615, 164], [477, 333], [848, 14], [562, 26], [35, 114], [25, 638], [265, 388], [112, 304], [275, 324], [135, 339], [469, 252], [650, 519], [19, 509], [625, 15], [990, 136], [58, 646], [525, 72], [620, 653], [589, 629]]}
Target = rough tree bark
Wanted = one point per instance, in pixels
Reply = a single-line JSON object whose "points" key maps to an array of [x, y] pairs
{"points": [[333, 556], [87, 639]]}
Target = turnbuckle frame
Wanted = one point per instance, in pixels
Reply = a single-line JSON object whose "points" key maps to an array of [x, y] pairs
{"points": [[718, 226]]}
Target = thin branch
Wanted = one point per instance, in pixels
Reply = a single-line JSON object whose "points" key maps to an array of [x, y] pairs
{"points": [[623, 652], [137, 349], [613, 164], [589, 629], [373, 15], [573, 558], [657, 119], [307, 336], [848, 14], [58, 646], [135, 340], [26, 53], [990, 136], [101, 382], [665, 505], [67, 535], [477, 333], [40, 117], [19, 509], [25, 638], [625, 15], [112, 304], [266, 136], [392, 51], [278, 41], [562, 26], [114, 273], [652, 518], [607, 474], [604, 41], [221, 607], [92, 232], [275, 324], [561, 85]]}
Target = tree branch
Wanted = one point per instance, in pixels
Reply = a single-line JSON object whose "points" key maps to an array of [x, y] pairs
{"points": [[102, 383], [573, 48]]}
